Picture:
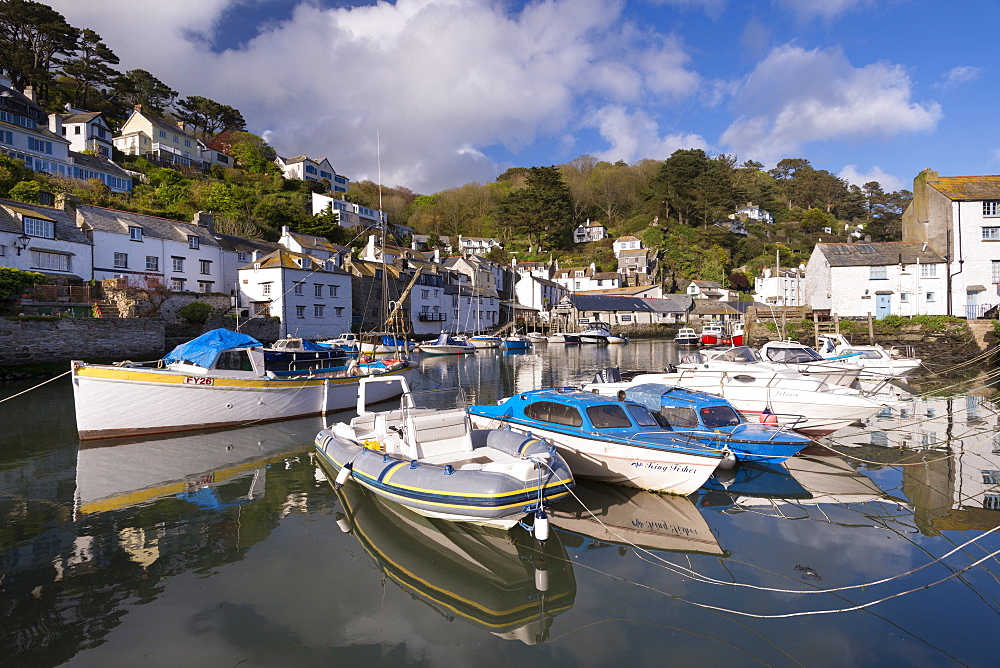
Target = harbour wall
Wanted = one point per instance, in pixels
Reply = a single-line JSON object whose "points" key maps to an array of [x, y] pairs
{"points": [[42, 341]]}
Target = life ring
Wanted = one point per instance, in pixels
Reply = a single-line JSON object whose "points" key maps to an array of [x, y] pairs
{"points": [[389, 361]]}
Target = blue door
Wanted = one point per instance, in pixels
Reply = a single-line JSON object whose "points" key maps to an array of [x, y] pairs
{"points": [[882, 306], [971, 305]]}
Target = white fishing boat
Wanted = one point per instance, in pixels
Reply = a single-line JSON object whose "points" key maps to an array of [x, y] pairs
{"points": [[567, 338], [686, 337], [484, 341], [346, 340], [760, 392], [219, 379], [538, 337], [800, 357], [598, 332], [875, 361]]}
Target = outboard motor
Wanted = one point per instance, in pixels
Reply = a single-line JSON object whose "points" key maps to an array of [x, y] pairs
{"points": [[609, 374]]}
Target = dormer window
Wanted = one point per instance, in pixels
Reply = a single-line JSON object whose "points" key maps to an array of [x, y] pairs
{"points": [[242, 256], [135, 233], [36, 227], [193, 242], [304, 262]]}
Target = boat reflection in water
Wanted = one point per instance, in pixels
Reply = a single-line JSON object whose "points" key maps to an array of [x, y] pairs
{"points": [[599, 514], [500, 580], [126, 472]]}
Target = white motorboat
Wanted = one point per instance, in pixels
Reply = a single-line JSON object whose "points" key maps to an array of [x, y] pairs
{"points": [[598, 332], [447, 345], [485, 341], [613, 339], [425, 456], [219, 379], [538, 337], [687, 337], [800, 357], [760, 392], [875, 361], [346, 340], [567, 338]]}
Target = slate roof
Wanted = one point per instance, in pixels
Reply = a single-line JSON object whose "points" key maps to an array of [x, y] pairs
{"points": [[878, 254], [99, 164], [712, 307], [669, 304], [286, 259], [707, 284], [608, 303], [118, 222], [65, 226], [243, 245], [629, 252], [79, 117], [606, 275], [966, 188]]}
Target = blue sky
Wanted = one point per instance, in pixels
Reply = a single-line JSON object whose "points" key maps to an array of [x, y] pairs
{"points": [[457, 91]]}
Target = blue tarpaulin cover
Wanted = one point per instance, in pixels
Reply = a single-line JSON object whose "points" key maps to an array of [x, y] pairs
{"points": [[203, 350]]}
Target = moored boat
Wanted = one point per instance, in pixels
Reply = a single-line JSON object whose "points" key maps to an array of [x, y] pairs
{"points": [[687, 337], [598, 332], [378, 343], [608, 440], [219, 379], [712, 334], [567, 338], [446, 345], [803, 359], [426, 456], [875, 361], [516, 342], [485, 341]]}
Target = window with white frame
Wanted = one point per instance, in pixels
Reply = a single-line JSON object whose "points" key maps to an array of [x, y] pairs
{"points": [[299, 288], [135, 233], [36, 227], [318, 289], [265, 288], [878, 272], [121, 261], [152, 263], [338, 310], [193, 242], [424, 294], [333, 290], [242, 256], [991, 234], [904, 297], [206, 266], [51, 261], [177, 284], [318, 310], [300, 311], [996, 271], [991, 207], [928, 271], [205, 286], [177, 263]]}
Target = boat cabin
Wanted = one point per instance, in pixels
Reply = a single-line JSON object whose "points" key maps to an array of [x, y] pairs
{"points": [[582, 410]]}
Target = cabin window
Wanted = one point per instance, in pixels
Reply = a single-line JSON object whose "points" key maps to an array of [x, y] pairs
{"points": [[679, 417], [608, 416], [550, 411], [719, 416], [642, 416], [234, 360]]}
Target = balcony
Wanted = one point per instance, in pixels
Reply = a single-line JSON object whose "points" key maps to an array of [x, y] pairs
{"points": [[429, 316]]}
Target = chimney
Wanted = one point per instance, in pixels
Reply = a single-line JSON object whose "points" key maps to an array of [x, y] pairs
{"points": [[55, 124], [138, 108], [29, 92], [67, 203], [180, 125], [205, 219]]}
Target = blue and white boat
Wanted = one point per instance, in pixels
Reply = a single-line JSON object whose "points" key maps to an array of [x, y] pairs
{"points": [[712, 420], [447, 345], [614, 441], [378, 343], [485, 341], [516, 342], [425, 456]]}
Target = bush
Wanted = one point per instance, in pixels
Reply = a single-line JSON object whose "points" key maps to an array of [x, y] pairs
{"points": [[197, 313]]}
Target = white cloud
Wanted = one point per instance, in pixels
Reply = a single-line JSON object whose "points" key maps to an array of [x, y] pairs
{"points": [[960, 75], [796, 96], [806, 10], [442, 81], [852, 175], [633, 135]]}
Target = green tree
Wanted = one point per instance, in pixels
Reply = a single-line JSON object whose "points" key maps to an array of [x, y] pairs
{"points": [[27, 191], [252, 153], [139, 87], [12, 172], [541, 210], [13, 282], [90, 66], [34, 38], [207, 116], [695, 187]]}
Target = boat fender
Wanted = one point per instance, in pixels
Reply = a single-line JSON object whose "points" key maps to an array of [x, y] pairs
{"points": [[128, 364], [728, 461], [342, 476], [343, 523], [541, 526], [767, 417], [541, 575]]}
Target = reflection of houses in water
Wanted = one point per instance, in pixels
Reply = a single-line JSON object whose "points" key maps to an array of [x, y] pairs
{"points": [[500, 581], [950, 449]]}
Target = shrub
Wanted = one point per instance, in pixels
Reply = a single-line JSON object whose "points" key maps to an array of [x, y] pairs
{"points": [[197, 313]]}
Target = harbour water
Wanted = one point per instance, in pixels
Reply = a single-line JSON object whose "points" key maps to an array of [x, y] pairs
{"points": [[231, 548]]}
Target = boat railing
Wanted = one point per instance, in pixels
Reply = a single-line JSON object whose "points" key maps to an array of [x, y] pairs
{"points": [[655, 437]]}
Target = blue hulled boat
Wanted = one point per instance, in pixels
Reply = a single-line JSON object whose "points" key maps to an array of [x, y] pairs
{"points": [[601, 438], [713, 421]]}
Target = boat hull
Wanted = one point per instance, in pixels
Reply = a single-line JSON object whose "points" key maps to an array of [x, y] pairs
{"points": [[446, 350], [116, 401]]}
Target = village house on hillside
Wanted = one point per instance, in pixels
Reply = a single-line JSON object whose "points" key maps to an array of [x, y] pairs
{"points": [[958, 218], [898, 277], [582, 279], [166, 144], [591, 230], [780, 287], [477, 245], [304, 168], [46, 240], [711, 290]]}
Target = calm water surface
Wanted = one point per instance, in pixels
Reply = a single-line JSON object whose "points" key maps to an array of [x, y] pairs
{"points": [[229, 548]]}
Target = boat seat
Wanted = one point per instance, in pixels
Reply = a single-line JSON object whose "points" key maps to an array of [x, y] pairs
{"points": [[439, 432]]}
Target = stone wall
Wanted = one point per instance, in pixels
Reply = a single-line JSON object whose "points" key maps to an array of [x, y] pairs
{"points": [[64, 339]]}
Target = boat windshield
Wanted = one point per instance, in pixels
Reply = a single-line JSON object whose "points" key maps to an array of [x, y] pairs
{"points": [[797, 355], [719, 416], [608, 416], [642, 416], [556, 413], [679, 417], [738, 354], [439, 400]]}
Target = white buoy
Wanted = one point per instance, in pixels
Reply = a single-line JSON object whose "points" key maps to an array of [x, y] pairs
{"points": [[541, 526], [343, 523], [728, 461], [541, 576], [345, 472]]}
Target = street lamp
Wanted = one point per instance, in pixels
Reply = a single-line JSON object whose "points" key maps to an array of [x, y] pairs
{"points": [[21, 243]]}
